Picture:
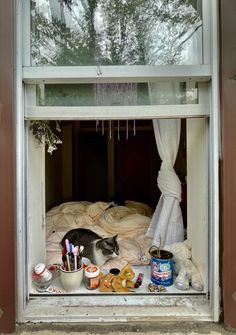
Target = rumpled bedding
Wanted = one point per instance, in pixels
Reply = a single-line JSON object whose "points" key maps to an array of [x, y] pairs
{"points": [[130, 222]]}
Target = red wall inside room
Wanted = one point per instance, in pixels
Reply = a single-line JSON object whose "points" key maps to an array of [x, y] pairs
{"points": [[7, 228]]}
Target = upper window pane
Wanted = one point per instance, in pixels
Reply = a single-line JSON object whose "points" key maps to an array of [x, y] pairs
{"points": [[120, 32]]}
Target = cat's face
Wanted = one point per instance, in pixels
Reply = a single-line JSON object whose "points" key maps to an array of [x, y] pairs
{"points": [[109, 246]]}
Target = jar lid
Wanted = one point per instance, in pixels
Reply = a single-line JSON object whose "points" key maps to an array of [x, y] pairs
{"points": [[92, 271], [39, 268]]}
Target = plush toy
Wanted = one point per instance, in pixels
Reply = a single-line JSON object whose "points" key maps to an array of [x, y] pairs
{"points": [[120, 283], [123, 281], [106, 282], [186, 271]]}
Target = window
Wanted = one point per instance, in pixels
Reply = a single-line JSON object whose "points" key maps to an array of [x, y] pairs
{"points": [[113, 67], [120, 33]]}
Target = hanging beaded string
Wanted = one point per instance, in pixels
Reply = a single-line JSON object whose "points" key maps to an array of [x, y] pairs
{"points": [[110, 129], [118, 130], [127, 129]]}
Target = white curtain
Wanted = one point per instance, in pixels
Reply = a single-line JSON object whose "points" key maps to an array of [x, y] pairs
{"points": [[166, 226]]}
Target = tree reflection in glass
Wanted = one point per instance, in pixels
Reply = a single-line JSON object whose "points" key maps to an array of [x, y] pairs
{"points": [[120, 32]]}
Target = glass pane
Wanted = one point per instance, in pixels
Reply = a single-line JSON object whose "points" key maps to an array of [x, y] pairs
{"points": [[120, 32], [117, 94]]}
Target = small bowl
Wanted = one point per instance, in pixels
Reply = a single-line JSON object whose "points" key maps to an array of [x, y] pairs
{"points": [[115, 271]]}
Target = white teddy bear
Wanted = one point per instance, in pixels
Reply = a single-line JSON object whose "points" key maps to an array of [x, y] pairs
{"points": [[186, 271]]}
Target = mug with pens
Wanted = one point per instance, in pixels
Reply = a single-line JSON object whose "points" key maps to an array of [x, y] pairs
{"points": [[72, 256], [71, 268]]}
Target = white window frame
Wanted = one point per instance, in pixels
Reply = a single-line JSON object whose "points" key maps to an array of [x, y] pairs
{"points": [[67, 309]]}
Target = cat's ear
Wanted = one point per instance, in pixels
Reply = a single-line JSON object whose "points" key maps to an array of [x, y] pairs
{"points": [[99, 243], [115, 237]]}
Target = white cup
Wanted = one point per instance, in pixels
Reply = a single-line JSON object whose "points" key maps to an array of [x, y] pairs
{"points": [[71, 280]]}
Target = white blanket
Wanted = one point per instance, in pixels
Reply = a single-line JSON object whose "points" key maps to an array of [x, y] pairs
{"points": [[130, 222]]}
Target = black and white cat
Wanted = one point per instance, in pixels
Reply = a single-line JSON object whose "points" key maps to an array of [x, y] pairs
{"points": [[97, 249]]}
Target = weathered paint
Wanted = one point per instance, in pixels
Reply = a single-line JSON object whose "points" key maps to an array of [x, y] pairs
{"points": [[114, 308]]}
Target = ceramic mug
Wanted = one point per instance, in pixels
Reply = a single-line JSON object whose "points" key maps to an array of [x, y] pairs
{"points": [[71, 280]]}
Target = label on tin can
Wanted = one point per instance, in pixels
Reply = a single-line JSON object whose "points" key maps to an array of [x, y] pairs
{"points": [[162, 271]]}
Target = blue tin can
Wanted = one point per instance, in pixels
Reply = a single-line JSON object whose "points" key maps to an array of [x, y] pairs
{"points": [[162, 266]]}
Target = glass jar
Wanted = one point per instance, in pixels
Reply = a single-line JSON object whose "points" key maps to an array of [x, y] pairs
{"points": [[41, 271], [92, 277]]}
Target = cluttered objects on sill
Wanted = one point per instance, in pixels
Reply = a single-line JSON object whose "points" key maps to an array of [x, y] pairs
{"points": [[160, 271]]}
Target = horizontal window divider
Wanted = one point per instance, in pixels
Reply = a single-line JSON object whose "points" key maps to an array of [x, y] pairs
{"points": [[104, 74], [116, 112]]}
